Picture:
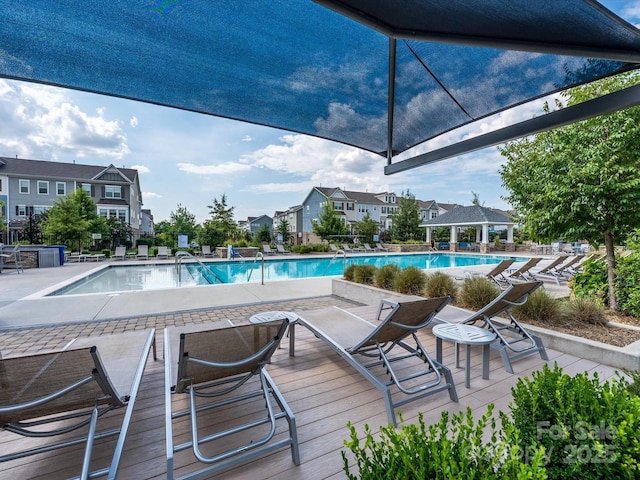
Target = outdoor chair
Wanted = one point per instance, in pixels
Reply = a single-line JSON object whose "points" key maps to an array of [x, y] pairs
{"points": [[266, 249], [496, 274], [367, 248], [11, 259], [206, 251], [143, 252], [513, 339], [281, 249], [64, 395], [560, 270], [120, 253], [374, 349], [381, 248], [524, 272], [347, 249], [235, 411], [163, 252], [333, 248]]}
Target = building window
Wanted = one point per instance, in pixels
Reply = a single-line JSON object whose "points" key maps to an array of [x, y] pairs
{"points": [[39, 209], [338, 206], [349, 206], [434, 214], [24, 186], [43, 187], [21, 210], [118, 213], [87, 188], [61, 188], [111, 191]]}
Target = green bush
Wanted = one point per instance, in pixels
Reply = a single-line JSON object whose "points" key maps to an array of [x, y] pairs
{"points": [[540, 306], [627, 286], [364, 274], [410, 281], [386, 275], [447, 450], [316, 247], [589, 429], [592, 280], [584, 310], [439, 284], [477, 292], [349, 272]]}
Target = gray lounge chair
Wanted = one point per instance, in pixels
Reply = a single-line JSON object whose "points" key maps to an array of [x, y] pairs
{"points": [[64, 395], [163, 252], [524, 272], [206, 251], [221, 368], [514, 341], [120, 253], [266, 249], [11, 259], [281, 249], [367, 346], [143, 252], [381, 248], [496, 274], [560, 270]]}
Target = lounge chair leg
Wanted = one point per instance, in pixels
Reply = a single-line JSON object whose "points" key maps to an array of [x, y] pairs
{"points": [[453, 394], [505, 359]]}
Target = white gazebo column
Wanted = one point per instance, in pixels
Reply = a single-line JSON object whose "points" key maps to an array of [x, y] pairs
{"points": [[509, 246], [484, 246], [453, 239], [428, 236]]}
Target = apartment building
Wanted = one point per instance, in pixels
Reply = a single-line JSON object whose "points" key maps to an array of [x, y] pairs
{"points": [[33, 186]]}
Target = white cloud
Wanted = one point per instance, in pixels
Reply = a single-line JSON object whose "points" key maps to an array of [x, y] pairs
{"points": [[148, 195], [247, 138], [49, 126], [221, 169], [133, 121], [141, 168]]}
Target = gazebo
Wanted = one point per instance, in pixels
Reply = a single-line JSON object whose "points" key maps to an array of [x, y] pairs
{"points": [[474, 216]]}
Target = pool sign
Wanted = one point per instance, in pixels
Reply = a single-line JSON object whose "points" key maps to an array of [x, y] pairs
{"points": [[183, 241]]}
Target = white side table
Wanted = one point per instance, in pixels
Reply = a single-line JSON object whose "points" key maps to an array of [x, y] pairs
{"points": [[468, 335], [265, 317]]}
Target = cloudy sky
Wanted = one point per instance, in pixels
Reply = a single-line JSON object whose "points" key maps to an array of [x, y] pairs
{"points": [[190, 159]]}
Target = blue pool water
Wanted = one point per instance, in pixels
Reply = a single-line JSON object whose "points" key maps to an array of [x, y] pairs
{"points": [[118, 278]]}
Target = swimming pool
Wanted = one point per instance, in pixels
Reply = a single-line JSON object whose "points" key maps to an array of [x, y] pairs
{"points": [[122, 278]]}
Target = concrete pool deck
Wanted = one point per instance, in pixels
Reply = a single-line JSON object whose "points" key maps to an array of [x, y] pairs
{"points": [[23, 304]]}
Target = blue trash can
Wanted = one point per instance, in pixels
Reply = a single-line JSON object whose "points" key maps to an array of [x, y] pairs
{"points": [[61, 249]]}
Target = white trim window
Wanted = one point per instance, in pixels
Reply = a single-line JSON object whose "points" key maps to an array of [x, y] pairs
{"points": [[39, 209], [113, 191], [43, 187], [21, 210], [23, 186], [61, 189]]}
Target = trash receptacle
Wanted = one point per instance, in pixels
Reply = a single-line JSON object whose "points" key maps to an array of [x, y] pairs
{"points": [[61, 249]]}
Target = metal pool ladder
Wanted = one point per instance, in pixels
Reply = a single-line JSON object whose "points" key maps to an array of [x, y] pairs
{"points": [[180, 256]]}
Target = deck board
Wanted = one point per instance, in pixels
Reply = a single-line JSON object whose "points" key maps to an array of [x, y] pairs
{"points": [[324, 392]]}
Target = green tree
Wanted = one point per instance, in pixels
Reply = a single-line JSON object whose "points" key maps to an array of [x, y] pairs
{"points": [[406, 222], [71, 219], [283, 229], [367, 228], [263, 235], [182, 222], [329, 223], [581, 181], [222, 218], [120, 232]]}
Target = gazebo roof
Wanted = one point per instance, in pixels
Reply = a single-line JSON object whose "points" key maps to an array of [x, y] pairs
{"points": [[468, 216]]}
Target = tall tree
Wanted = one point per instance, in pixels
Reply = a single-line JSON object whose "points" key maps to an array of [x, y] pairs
{"points": [[329, 223], [72, 219], [581, 181], [283, 229], [222, 217], [182, 222], [406, 222], [367, 228]]}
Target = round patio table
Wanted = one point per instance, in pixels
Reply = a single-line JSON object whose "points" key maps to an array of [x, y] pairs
{"points": [[468, 335], [265, 317]]}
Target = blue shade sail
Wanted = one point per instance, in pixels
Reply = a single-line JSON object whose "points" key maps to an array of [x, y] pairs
{"points": [[383, 76]]}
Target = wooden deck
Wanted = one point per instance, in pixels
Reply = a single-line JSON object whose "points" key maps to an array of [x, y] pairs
{"points": [[323, 391]]}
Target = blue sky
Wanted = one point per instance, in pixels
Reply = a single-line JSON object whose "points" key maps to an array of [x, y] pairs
{"points": [[190, 159]]}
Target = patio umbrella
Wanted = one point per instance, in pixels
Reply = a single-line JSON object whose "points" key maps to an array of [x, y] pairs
{"points": [[383, 76]]}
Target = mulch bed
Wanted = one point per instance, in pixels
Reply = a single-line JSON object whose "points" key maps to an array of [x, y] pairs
{"points": [[611, 335]]}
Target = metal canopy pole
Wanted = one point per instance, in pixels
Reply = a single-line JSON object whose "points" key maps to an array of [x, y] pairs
{"points": [[391, 99]]}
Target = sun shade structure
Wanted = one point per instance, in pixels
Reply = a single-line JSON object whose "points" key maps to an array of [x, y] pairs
{"points": [[383, 76]]}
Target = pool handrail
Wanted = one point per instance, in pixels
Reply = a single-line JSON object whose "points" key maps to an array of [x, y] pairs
{"points": [[344, 261], [180, 255], [258, 255]]}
